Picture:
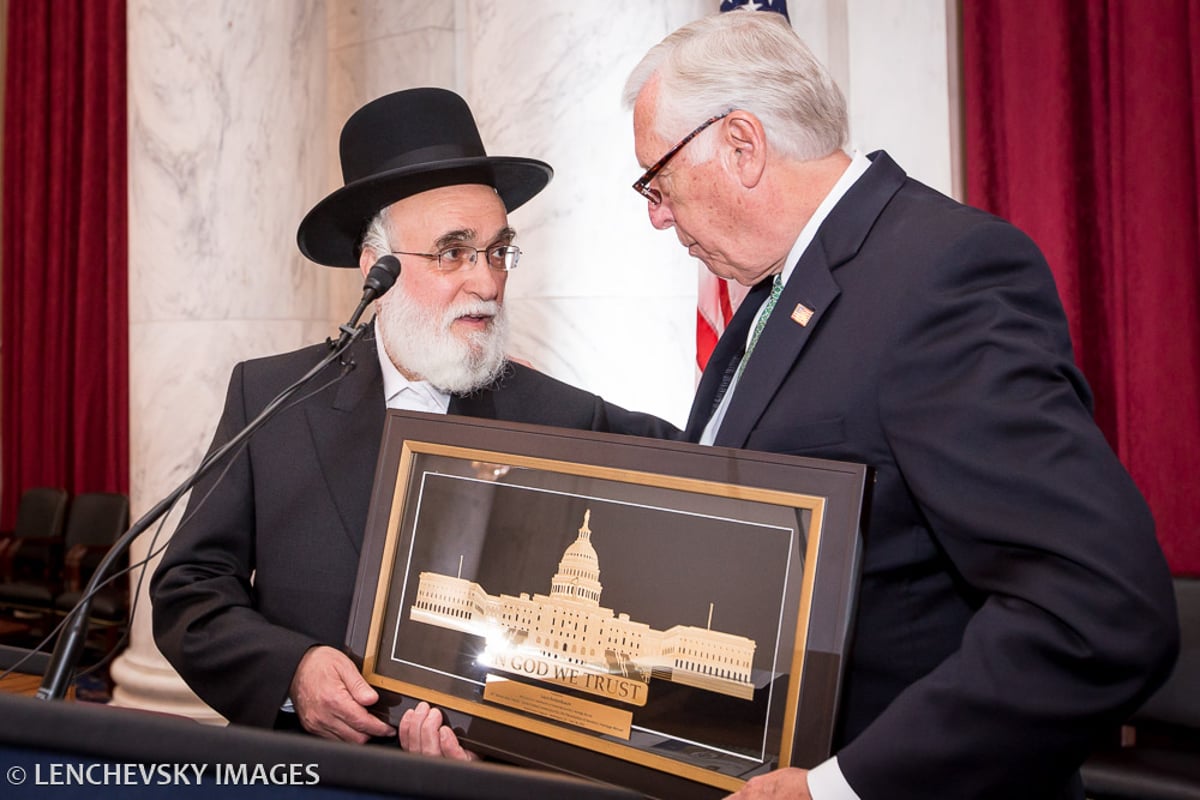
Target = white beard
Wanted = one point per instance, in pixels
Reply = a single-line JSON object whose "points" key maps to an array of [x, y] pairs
{"points": [[424, 346]]}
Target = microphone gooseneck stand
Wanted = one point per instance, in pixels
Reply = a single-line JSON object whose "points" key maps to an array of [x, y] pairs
{"points": [[67, 650]]}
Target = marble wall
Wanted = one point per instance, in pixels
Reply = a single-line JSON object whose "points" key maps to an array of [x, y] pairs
{"points": [[226, 140], [234, 113], [544, 80]]}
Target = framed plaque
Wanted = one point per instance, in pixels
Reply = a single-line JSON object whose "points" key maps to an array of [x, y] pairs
{"points": [[662, 616]]}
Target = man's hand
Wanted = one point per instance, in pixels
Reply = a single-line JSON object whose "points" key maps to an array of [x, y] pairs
{"points": [[782, 784], [422, 731], [331, 698]]}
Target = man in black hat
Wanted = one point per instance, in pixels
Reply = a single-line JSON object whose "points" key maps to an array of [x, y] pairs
{"points": [[252, 597]]}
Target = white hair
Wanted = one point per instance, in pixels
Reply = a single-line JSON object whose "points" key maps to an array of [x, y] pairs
{"points": [[378, 235], [748, 60]]}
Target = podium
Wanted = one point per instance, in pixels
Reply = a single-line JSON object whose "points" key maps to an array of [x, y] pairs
{"points": [[70, 749]]}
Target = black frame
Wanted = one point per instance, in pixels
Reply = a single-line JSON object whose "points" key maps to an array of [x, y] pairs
{"points": [[773, 541]]}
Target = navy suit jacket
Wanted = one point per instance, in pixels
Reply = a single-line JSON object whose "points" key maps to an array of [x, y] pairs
{"points": [[1014, 601], [263, 566]]}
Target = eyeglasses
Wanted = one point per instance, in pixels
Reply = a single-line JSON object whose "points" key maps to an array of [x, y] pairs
{"points": [[500, 257], [642, 184]]}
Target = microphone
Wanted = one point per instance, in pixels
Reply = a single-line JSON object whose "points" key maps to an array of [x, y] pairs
{"points": [[66, 653], [380, 277]]}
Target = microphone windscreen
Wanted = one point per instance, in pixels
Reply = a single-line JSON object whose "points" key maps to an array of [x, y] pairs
{"points": [[382, 275]]}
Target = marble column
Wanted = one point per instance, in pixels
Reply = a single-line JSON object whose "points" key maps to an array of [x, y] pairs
{"points": [[901, 83], [602, 300], [226, 145]]}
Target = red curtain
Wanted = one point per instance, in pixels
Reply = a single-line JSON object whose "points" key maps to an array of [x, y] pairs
{"points": [[65, 308], [1083, 129]]}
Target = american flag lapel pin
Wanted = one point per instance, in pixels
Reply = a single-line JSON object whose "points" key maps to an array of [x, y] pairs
{"points": [[801, 314]]}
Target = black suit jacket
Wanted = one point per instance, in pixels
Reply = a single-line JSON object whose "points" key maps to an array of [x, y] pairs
{"points": [[1014, 601], [263, 565]]}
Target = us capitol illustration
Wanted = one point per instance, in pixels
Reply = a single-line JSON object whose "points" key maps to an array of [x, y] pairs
{"points": [[568, 638]]}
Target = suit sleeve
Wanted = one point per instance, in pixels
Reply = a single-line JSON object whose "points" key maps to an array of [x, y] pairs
{"points": [[534, 397], [612, 418], [205, 619], [988, 420]]}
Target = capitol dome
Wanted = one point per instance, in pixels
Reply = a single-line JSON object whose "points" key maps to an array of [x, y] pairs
{"points": [[578, 576]]}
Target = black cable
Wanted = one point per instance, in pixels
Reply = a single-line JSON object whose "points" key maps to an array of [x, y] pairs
{"points": [[66, 651]]}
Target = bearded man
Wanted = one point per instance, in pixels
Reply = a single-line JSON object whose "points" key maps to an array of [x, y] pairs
{"points": [[252, 597]]}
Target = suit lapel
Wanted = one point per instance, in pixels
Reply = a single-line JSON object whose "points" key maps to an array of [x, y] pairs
{"points": [[724, 358], [811, 286], [807, 297], [346, 434], [480, 404]]}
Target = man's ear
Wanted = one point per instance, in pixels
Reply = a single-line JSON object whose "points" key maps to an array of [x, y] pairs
{"points": [[746, 147], [366, 260]]}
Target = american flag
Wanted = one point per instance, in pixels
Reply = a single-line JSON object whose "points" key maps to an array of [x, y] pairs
{"points": [[757, 5], [718, 298]]}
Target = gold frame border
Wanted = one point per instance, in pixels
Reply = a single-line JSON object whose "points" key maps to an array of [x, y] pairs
{"points": [[815, 505]]}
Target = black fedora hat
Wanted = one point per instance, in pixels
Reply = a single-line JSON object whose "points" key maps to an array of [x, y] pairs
{"points": [[399, 145]]}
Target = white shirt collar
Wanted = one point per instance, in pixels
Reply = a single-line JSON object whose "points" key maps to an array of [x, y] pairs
{"points": [[401, 393], [859, 164]]}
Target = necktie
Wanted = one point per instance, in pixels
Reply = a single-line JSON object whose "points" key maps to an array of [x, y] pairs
{"points": [[767, 306]]}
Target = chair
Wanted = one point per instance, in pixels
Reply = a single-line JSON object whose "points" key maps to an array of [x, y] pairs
{"points": [[1159, 756], [34, 547], [95, 522]]}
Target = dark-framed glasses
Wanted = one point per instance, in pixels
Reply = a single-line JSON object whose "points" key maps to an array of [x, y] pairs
{"points": [[642, 184], [500, 257]]}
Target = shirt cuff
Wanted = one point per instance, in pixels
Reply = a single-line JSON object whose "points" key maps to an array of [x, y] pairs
{"points": [[826, 782]]}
